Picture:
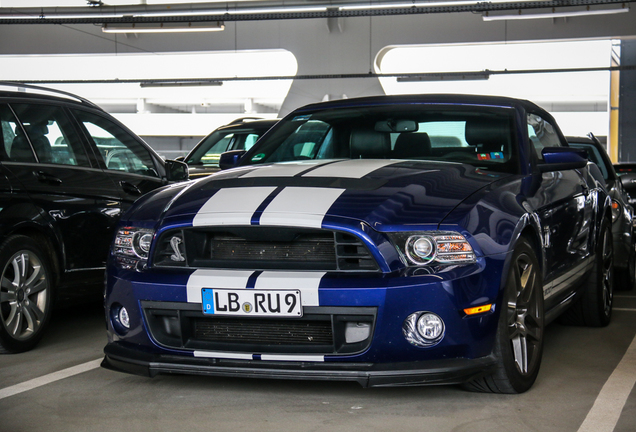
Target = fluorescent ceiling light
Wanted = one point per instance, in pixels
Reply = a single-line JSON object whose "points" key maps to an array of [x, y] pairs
{"points": [[225, 11], [52, 16], [422, 4], [182, 83], [407, 5], [164, 27], [449, 76], [299, 9], [521, 15]]}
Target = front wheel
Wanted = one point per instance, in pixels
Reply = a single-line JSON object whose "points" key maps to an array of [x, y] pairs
{"points": [[25, 294], [519, 341]]}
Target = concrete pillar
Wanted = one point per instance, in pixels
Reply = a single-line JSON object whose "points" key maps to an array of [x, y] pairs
{"points": [[627, 107], [332, 47]]}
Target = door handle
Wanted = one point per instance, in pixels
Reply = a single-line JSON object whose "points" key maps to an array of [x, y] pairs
{"points": [[47, 178], [129, 188]]}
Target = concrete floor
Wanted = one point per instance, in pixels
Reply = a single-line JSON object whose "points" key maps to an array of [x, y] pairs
{"points": [[576, 365]]}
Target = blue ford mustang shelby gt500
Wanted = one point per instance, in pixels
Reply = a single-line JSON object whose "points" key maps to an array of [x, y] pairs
{"points": [[387, 240]]}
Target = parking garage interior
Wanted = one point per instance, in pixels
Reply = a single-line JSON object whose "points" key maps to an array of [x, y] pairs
{"points": [[266, 59]]}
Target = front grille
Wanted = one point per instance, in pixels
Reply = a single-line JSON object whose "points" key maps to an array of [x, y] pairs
{"points": [[305, 248], [277, 332], [321, 330], [270, 248]]}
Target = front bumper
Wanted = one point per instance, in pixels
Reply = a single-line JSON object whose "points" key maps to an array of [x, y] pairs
{"points": [[163, 305], [451, 371]]}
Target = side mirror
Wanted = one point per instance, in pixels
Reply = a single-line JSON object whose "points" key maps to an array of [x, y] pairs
{"points": [[230, 159], [180, 158], [176, 170], [628, 180], [562, 158]]}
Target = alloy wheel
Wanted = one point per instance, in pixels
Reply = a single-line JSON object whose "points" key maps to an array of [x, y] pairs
{"points": [[608, 275], [524, 313], [23, 295]]}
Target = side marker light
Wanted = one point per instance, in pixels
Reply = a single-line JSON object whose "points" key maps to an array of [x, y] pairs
{"points": [[478, 309]]}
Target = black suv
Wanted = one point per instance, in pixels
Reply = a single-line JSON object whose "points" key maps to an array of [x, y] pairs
{"points": [[241, 134], [68, 170]]}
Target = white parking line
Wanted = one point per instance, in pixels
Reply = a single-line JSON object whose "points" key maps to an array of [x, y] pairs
{"points": [[609, 404], [47, 379], [624, 309]]}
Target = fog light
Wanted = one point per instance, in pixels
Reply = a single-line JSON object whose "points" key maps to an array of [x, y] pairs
{"points": [[429, 326], [124, 319], [423, 329]]}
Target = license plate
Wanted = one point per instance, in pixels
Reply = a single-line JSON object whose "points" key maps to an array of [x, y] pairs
{"points": [[251, 302]]}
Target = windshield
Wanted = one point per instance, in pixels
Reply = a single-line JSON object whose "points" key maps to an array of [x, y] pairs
{"points": [[475, 135]]}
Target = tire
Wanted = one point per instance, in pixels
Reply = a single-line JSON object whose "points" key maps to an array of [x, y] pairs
{"points": [[519, 341], [625, 278], [593, 307], [26, 292]]}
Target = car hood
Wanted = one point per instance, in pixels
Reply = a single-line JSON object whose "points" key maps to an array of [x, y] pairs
{"points": [[382, 193]]}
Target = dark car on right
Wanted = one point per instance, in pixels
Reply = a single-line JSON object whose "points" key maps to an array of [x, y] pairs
{"points": [[622, 211], [241, 134], [626, 171]]}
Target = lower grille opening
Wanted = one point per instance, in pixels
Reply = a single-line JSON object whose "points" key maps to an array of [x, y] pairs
{"points": [[321, 330], [277, 332]]}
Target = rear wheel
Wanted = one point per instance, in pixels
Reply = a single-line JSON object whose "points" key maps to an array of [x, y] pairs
{"points": [[625, 278], [519, 341], [593, 308], [25, 294]]}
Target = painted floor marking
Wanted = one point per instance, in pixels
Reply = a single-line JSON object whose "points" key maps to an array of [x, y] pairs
{"points": [[609, 404], [47, 379], [624, 309]]}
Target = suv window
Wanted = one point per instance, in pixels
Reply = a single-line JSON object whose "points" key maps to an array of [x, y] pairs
{"points": [[43, 129], [118, 149]]}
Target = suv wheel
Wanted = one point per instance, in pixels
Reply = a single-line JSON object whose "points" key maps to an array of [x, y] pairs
{"points": [[25, 293]]}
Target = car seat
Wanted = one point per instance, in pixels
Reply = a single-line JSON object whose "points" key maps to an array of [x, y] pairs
{"points": [[412, 145], [487, 134], [21, 150], [369, 144]]}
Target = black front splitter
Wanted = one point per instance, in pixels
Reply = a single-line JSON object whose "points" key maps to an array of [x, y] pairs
{"points": [[451, 371]]}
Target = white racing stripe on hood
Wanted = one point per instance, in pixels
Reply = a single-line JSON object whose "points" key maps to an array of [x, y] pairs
{"points": [[232, 206], [354, 168], [207, 278], [283, 169], [306, 282], [300, 207]]}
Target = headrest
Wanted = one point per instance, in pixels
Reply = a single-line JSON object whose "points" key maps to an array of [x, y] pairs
{"points": [[487, 132], [412, 145], [36, 129], [369, 144]]}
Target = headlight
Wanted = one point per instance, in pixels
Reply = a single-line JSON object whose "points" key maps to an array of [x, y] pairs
{"points": [[442, 247], [132, 245]]}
